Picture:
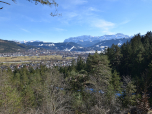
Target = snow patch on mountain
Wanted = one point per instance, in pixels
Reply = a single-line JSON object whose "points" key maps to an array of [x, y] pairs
{"points": [[47, 44], [120, 43], [25, 41]]}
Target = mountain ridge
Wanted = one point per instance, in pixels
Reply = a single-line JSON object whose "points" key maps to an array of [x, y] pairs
{"points": [[92, 38], [82, 43], [11, 46], [65, 46], [87, 40]]}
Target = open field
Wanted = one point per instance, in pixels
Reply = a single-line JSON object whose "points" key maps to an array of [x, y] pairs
{"points": [[32, 58]]}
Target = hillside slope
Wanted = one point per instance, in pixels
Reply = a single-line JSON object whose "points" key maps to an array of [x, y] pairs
{"points": [[65, 46], [11, 46]]}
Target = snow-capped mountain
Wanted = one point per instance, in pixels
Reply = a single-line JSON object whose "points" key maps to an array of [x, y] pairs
{"points": [[108, 43], [93, 38], [82, 43], [24, 41], [87, 41]]}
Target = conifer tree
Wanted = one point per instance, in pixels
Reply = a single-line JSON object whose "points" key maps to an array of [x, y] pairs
{"points": [[129, 96], [100, 79], [99, 69], [116, 82], [114, 55], [80, 64], [76, 85]]}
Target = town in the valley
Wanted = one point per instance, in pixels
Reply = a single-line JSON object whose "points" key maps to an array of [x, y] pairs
{"points": [[36, 57]]}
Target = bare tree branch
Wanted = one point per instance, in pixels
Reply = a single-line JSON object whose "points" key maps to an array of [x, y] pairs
{"points": [[5, 2], [43, 2]]}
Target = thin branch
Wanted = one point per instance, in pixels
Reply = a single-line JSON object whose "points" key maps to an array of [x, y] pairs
{"points": [[5, 2]]}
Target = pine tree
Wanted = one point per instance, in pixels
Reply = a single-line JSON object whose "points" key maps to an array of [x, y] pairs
{"points": [[129, 96], [88, 63], [100, 79], [99, 69], [80, 64], [116, 82], [114, 55]]}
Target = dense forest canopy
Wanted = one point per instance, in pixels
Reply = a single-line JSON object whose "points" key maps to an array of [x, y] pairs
{"points": [[89, 87]]}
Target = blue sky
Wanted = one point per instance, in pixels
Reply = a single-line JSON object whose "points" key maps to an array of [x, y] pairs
{"points": [[24, 20]]}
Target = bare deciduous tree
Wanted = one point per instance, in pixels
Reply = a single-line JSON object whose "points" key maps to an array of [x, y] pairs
{"points": [[55, 98]]}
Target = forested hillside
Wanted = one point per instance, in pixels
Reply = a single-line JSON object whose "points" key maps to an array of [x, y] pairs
{"points": [[85, 87], [11, 46], [65, 46]]}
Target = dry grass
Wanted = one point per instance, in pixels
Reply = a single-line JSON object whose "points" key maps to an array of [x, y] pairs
{"points": [[32, 58]]}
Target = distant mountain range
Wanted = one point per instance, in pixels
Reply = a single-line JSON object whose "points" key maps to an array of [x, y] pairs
{"points": [[65, 46], [87, 41], [92, 38], [83, 43], [80, 43]]}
